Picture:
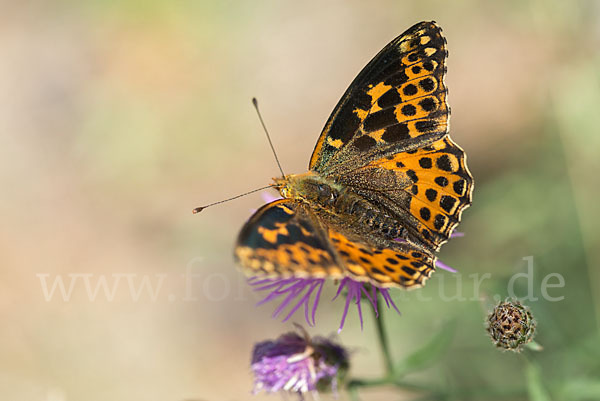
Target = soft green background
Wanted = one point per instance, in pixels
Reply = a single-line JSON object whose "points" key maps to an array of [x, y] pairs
{"points": [[118, 117]]}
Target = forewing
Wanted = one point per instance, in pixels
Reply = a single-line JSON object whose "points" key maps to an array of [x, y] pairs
{"points": [[397, 102], [282, 240]]}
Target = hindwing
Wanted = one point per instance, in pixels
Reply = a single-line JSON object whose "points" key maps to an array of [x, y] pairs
{"points": [[425, 189]]}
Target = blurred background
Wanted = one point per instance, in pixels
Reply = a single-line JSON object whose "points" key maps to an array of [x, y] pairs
{"points": [[119, 117]]}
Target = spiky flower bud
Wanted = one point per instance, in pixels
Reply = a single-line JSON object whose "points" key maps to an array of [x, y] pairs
{"points": [[511, 325]]}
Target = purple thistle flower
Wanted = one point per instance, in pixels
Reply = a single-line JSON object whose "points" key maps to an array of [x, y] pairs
{"points": [[442, 265], [298, 364], [306, 293]]}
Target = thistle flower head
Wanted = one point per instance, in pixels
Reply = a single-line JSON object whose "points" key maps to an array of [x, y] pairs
{"points": [[511, 325], [298, 364]]}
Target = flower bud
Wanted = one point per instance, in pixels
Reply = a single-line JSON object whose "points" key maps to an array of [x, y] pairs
{"points": [[511, 325]]}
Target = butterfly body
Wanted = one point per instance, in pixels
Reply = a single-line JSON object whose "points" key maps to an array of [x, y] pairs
{"points": [[386, 185], [335, 204]]}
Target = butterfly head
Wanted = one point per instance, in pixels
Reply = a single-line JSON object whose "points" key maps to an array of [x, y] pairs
{"points": [[308, 187]]}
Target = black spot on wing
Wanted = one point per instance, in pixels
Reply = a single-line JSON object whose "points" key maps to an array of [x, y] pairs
{"points": [[408, 110], [408, 270], [428, 65], [431, 194], [380, 119], [425, 162], [443, 163], [389, 99], [396, 133], [365, 251], [459, 187], [428, 104], [364, 143], [376, 270], [364, 260], [412, 175], [410, 90], [425, 125], [417, 263], [447, 203], [439, 221], [441, 181], [427, 84]]}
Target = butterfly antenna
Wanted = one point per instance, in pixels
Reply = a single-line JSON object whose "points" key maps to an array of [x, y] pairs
{"points": [[201, 208], [255, 103]]}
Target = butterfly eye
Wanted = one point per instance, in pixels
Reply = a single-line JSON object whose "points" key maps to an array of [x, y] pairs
{"points": [[324, 192]]}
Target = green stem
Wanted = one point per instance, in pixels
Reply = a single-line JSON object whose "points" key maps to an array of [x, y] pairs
{"points": [[383, 341]]}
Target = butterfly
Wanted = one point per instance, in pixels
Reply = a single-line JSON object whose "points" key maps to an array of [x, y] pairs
{"points": [[385, 185]]}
